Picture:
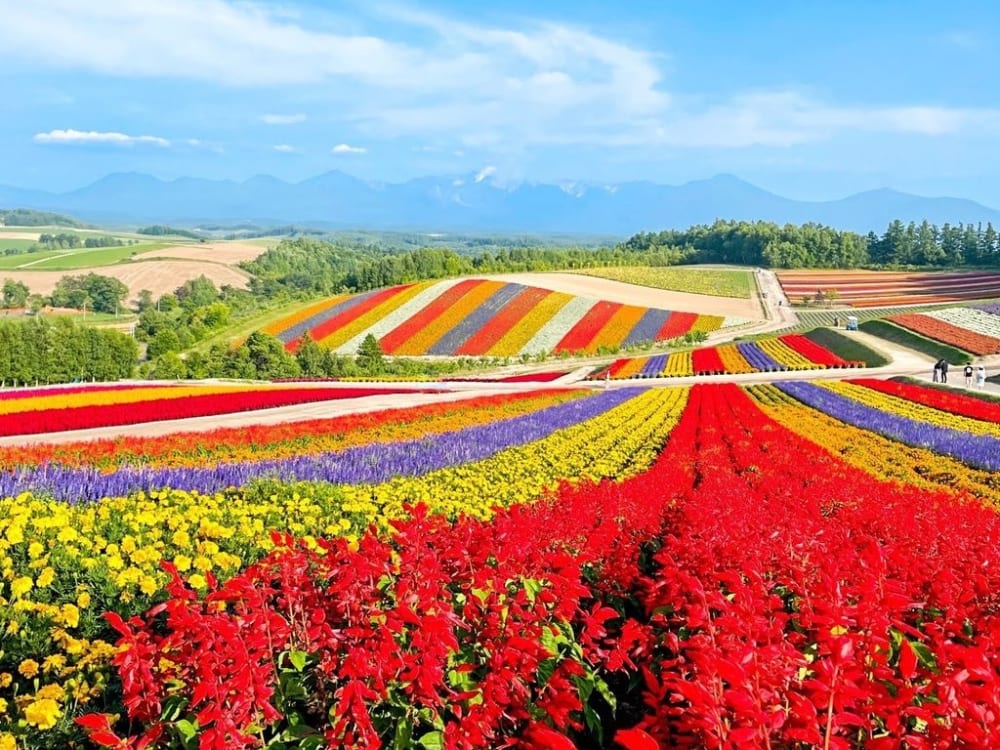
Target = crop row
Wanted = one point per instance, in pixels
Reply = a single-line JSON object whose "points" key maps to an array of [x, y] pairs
{"points": [[787, 352], [948, 333], [476, 317]]}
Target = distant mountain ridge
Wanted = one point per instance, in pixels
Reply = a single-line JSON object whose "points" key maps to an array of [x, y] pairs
{"points": [[336, 199]]}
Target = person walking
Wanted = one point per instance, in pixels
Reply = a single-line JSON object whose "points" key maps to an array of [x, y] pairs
{"points": [[968, 374], [980, 377], [944, 371], [937, 371]]}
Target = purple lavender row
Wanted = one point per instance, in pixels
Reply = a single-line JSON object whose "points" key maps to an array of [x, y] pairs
{"points": [[367, 464], [993, 308], [299, 329], [648, 326], [981, 451], [757, 358], [482, 315], [654, 366]]}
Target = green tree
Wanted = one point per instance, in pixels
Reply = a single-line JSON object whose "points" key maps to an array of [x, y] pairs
{"points": [[15, 293], [371, 358], [309, 355]]}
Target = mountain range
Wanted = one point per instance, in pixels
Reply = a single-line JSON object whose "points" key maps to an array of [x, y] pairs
{"points": [[474, 203]]}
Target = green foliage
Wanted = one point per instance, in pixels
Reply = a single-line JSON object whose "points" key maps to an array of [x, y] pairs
{"points": [[93, 292], [846, 347], [27, 217], [936, 350], [712, 281], [60, 351], [15, 293], [371, 359], [159, 230]]}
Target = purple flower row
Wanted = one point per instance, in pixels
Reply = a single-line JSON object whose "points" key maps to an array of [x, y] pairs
{"points": [[648, 326], [368, 464], [757, 358], [479, 317], [993, 308], [981, 451], [654, 366]]}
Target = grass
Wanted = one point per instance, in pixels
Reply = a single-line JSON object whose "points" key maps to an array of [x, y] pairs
{"points": [[846, 348], [890, 332], [16, 244], [76, 258], [716, 282], [246, 326]]}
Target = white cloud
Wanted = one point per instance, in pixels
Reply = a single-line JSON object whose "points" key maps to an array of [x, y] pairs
{"points": [[93, 137], [285, 148], [343, 148], [283, 119], [483, 173]]}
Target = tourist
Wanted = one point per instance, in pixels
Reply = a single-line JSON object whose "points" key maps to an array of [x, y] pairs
{"points": [[968, 374], [980, 377], [937, 371], [944, 371]]}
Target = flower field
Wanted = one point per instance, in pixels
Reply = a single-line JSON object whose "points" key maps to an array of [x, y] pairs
{"points": [[35, 411], [712, 281], [787, 352], [887, 288], [472, 317], [970, 329], [786, 565]]}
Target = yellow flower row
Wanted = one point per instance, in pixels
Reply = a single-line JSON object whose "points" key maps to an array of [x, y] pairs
{"points": [[633, 368], [708, 323], [115, 397], [733, 360], [678, 365], [512, 342], [618, 327], [912, 410], [877, 455], [783, 354]]}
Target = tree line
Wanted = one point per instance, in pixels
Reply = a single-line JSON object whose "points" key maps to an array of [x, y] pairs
{"points": [[60, 350], [922, 245]]}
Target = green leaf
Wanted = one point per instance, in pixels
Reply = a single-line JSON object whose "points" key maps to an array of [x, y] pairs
{"points": [[432, 741], [298, 659], [924, 655], [188, 730], [404, 733]]}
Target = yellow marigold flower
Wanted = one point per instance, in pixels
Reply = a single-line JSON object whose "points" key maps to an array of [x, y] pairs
{"points": [[28, 668], [128, 544], [183, 563], [69, 615], [53, 662], [202, 563], [198, 581], [13, 628], [68, 534], [181, 538], [45, 578], [21, 586], [148, 585], [35, 549], [51, 691], [7, 742], [83, 600], [3, 706], [6, 678], [14, 534], [43, 713]]}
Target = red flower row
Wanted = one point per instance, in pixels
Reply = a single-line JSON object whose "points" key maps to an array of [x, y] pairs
{"points": [[947, 333], [156, 410], [953, 403]]}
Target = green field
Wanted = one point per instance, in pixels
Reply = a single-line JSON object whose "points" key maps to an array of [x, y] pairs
{"points": [[717, 282], [18, 244], [75, 259]]}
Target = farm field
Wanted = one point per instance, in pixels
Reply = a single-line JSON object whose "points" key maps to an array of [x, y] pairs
{"points": [[781, 353], [228, 253], [757, 550], [972, 329], [717, 282], [158, 276], [478, 317], [890, 288]]}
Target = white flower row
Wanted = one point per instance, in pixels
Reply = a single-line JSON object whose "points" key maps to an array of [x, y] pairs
{"points": [[730, 321], [970, 319], [551, 333], [398, 316]]}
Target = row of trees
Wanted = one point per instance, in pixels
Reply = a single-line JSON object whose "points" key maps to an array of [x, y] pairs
{"points": [[40, 350], [69, 240], [818, 246]]}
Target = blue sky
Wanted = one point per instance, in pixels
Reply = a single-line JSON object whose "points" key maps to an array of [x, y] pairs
{"points": [[813, 100]]}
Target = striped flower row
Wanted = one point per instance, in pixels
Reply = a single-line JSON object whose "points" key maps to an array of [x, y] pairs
{"points": [[474, 317]]}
